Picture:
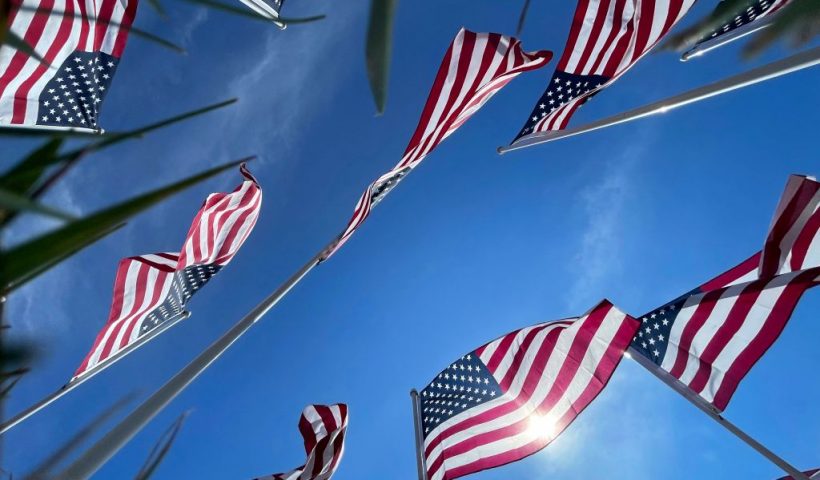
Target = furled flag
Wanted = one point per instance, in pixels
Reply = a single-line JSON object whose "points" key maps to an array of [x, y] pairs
{"points": [[606, 38], [151, 291], [510, 398], [745, 21], [323, 427], [81, 42], [476, 66], [710, 338]]}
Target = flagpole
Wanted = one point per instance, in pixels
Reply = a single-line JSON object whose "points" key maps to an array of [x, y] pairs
{"points": [[794, 63], [65, 389], [96, 456], [710, 410], [420, 463]]}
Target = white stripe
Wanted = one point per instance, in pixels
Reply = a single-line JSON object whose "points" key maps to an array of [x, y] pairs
{"points": [[128, 300], [625, 20], [660, 15], [227, 226], [48, 37], [583, 35], [752, 324], [165, 290], [787, 243], [606, 28], [686, 312], [162, 260], [113, 29], [717, 317], [147, 304]]}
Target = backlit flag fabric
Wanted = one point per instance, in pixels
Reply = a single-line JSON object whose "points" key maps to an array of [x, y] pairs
{"points": [[513, 396], [808, 473], [476, 66], [151, 291], [711, 337], [323, 428], [606, 38], [82, 40], [742, 22]]}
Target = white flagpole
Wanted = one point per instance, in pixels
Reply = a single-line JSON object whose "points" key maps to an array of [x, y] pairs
{"points": [[707, 408], [65, 389], [420, 463], [800, 61]]}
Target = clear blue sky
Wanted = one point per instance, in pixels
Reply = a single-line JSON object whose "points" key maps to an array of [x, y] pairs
{"points": [[471, 246]]}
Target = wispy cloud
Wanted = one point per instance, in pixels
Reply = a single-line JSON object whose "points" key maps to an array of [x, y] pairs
{"points": [[603, 204]]}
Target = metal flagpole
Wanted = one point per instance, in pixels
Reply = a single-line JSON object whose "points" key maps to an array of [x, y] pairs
{"points": [[730, 37], [94, 458], [699, 402], [796, 62], [420, 463], [65, 389]]}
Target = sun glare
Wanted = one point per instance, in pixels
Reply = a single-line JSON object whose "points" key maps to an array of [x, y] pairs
{"points": [[542, 426]]}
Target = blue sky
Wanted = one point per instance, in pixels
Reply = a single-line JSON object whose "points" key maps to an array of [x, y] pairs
{"points": [[471, 246]]}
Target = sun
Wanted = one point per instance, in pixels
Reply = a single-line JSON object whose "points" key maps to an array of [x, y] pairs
{"points": [[542, 426]]}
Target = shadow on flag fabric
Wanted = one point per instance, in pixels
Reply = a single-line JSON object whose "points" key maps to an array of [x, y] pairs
{"points": [[323, 428], [711, 337], [513, 396], [151, 291], [606, 38], [743, 22], [476, 66], [83, 41]]}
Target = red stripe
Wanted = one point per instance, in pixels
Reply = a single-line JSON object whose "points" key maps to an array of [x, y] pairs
{"points": [[85, 25], [32, 36], [103, 22], [771, 330], [116, 307], [804, 241], [702, 312], [139, 296], [251, 206], [125, 28], [435, 91], [618, 54], [156, 300], [306, 428], [772, 251], [63, 33], [675, 7], [645, 21], [544, 352], [574, 32], [616, 25], [733, 274], [595, 33], [726, 331]]}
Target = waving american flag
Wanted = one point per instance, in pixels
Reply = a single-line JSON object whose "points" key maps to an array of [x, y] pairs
{"points": [[82, 41], [606, 38], [151, 291], [513, 396], [323, 429], [711, 337], [476, 66]]}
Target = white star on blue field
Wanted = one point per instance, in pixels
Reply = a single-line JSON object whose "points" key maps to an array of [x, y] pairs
{"points": [[469, 247]]}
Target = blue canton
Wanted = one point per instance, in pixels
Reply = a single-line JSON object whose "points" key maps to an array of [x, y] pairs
{"points": [[463, 385], [652, 338], [73, 96], [383, 188], [755, 9], [185, 284], [562, 89]]}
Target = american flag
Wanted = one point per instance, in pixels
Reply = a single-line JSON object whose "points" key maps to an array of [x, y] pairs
{"points": [[754, 10], [151, 291], [711, 337], [513, 396], [83, 41], [606, 38], [476, 66], [808, 473], [323, 427]]}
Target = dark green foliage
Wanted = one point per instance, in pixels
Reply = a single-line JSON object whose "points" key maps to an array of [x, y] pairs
{"points": [[378, 48]]}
